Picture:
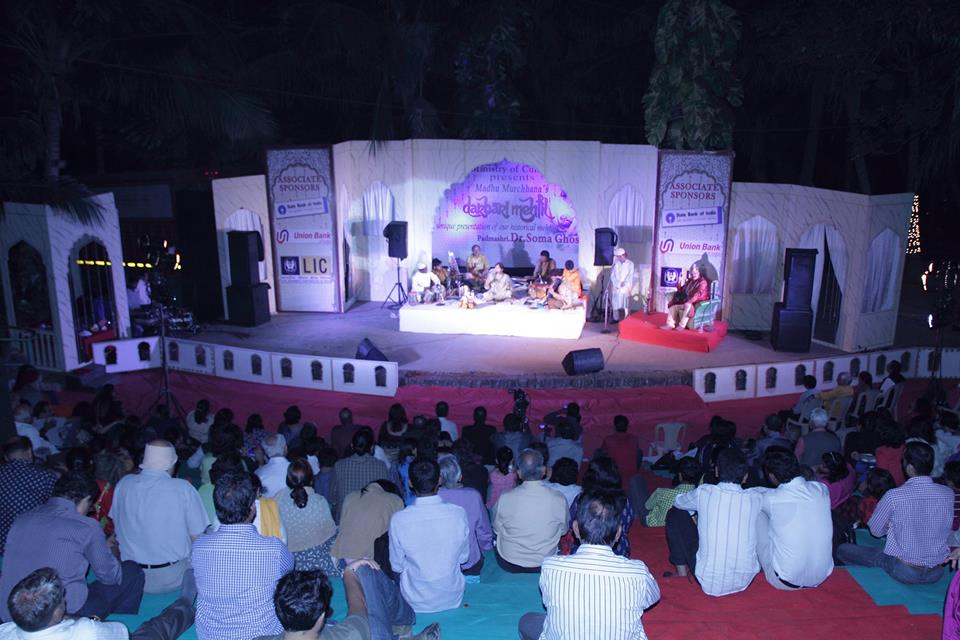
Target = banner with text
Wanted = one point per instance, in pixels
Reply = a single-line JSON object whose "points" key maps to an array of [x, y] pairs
{"points": [[300, 186], [511, 211], [693, 200]]}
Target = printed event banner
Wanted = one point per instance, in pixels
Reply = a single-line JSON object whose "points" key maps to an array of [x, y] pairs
{"points": [[511, 211], [693, 200], [300, 188]]}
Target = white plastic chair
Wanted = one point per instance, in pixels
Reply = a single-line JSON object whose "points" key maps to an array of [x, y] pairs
{"points": [[837, 410], [866, 401], [667, 436]]}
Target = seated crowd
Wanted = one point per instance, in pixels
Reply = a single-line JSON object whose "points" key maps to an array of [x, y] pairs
{"points": [[254, 526]]}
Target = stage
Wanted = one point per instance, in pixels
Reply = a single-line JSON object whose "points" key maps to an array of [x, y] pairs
{"points": [[511, 318], [491, 361]]}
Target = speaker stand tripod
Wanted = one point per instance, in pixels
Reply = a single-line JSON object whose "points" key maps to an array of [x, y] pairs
{"points": [[398, 290]]}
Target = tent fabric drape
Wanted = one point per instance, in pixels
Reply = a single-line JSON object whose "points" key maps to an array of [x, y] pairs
{"points": [[625, 208], [377, 208], [882, 262], [246, 220], [814, 238], [756, 249]]}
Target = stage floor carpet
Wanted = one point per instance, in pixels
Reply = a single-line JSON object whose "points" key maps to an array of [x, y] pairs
{"points": [[641, 327], [500, 319]]}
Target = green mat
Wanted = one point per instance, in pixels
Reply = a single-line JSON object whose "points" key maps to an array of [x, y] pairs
{"points": [[917, 598], [491, 608]]}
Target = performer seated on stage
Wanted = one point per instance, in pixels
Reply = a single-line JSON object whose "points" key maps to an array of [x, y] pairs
{"points": [[424, 285], [477, 266], [499, 286], [564, 297], [621, 284], [545, 267], [690, 292], [571, 275], [440, 271]]}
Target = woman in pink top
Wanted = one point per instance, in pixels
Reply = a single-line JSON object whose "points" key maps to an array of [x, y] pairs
{"points": [[502, 478], [838, 476]]}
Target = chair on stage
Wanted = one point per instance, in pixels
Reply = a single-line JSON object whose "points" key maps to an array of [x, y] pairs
{"points": [[667, 436], [706, 311]]}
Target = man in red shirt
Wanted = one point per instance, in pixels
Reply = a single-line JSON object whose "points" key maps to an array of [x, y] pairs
{"points": [[623, 448]]}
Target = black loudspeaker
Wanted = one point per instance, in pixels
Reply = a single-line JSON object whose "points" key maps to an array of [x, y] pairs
{"points": [[791, 328], [366, 350], [798, 266], [248, 306], [583, 361], [604, 241], [246, 250], [396, 235]]}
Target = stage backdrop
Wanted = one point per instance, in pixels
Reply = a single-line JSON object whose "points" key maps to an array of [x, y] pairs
{"points": [[300, 186], [693, 197], [511, 211]]}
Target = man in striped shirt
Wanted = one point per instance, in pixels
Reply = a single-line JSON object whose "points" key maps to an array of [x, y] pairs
{"points": [[593, 593], [916, 518], [720, 547]]}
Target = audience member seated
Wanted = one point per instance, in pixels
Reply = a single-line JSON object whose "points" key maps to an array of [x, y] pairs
{"points": [[291, 425], [199, 421], [818, 441], [948, 437], [565, 444], [720, 547], [364, 522], [357, 471], [341, 436], [563, 478], [623, 447], [157, 517], [593, 593], [429, 541], [38, 609], [864, 440], [502, 477], [951, 478], [23, 484], [514, 435], [722, 435], [447, 425], [844, 389], [273, 475], [808, 400], [393, 431], [326, 460], [838, 476], [771, 435], [453, 491], [58, 534], [894, 377], [306, 517], [529, 520], [479, 436], [890, 452], [916, 518], [794, 528], [254, 433], [109, 467], [374, 606], [23, 421], [602, 476], [653, 510], [236, 568], [475, 475], [876, 484], [569, 412]]}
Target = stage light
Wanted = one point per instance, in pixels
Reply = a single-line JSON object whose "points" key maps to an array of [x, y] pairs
{"points": [[913, 233], [930, 321]]}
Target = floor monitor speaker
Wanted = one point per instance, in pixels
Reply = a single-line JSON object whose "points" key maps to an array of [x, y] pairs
{"points": [[366, 350], [249, 305], [583, 361], [791, 329]]}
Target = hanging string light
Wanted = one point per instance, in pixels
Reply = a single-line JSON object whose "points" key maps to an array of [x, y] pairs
{"points": [[913, 233]]}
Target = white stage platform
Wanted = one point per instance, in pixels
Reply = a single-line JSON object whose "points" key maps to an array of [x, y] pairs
{"points": [[504, 319]]}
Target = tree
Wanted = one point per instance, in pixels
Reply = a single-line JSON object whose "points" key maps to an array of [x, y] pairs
{"points": [[693, 89]]}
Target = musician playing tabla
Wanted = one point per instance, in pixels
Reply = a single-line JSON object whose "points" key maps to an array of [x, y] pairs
{"points": [[498, 284], [477, 265]]}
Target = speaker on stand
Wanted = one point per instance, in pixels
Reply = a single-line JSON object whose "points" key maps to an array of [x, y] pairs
{"points": [[248, 302], [792, 324], [396, 234], [604, 242]]}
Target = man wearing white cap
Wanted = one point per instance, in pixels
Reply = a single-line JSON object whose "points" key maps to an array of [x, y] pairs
{"points": [[422, 283], [621, 284], [157, 518]]}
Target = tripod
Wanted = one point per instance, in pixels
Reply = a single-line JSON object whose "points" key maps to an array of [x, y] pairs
{"points": [[603, 281], [401, 299], [165, 398]]}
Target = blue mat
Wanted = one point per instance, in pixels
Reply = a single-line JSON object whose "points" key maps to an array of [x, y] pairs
{"points": [[917, 598], [491, 608]]}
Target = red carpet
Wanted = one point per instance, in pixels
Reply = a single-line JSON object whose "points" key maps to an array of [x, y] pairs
{"points": [[838, 608], [641, 327]]}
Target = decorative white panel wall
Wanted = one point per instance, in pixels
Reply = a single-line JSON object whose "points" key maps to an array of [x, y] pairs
{"points": [[725, 383], [191, 356], [306, 372], [369, 377], [240, 364], [827, 369], [127, 355], [880, 359], [785, 379]]}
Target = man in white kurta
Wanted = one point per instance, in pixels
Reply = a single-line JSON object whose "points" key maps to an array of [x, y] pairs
{"points": [[621, 284], [422, 283]]}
